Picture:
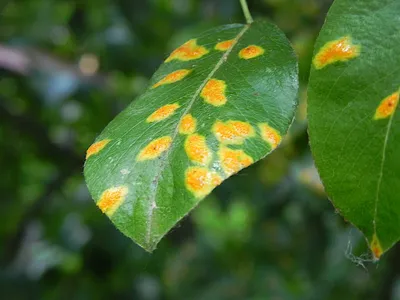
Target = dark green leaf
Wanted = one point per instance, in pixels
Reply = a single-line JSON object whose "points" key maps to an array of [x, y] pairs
{"points": [[219, 103], [354, 124]]}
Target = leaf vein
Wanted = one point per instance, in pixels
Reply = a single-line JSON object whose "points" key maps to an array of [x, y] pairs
{"points": [[152, 204], [389, 127]]}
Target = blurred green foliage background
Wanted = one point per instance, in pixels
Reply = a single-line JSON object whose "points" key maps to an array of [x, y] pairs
{"points": [[66, 69]]}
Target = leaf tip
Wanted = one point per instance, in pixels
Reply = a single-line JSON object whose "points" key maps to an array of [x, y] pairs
{"points": [[376, 247]]}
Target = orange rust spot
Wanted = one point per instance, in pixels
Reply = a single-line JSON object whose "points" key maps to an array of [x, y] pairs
{"points": [[232, 132], [201, 181], [214, 92], [155, 148], [376, 247], [188, 51], [224, 45], [233, 161], [96, 147], [187, 124], [111, 199], [163, 112], [197, 150], [251, 51], [387, 106], [270, 135], [172, 77], [334, 51]]}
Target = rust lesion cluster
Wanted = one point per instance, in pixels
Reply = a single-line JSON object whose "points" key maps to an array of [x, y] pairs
{"points": [[214, 90], [231, 161], [199, 178]]}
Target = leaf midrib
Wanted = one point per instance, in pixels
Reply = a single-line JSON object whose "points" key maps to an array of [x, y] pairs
{"points": [[152, 204], [378, 187]]}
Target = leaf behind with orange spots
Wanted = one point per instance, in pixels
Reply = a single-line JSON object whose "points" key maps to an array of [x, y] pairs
{"points": [[354, 118]]}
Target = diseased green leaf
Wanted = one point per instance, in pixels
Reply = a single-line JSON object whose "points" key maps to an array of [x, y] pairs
{"points": [[218, 104], [354, 123]]}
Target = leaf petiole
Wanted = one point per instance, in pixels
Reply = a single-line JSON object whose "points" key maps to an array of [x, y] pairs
{"points": [[246, 12]]}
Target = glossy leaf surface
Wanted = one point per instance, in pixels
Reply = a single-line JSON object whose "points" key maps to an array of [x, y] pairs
{"points": [[219, 103], [354, 123]]}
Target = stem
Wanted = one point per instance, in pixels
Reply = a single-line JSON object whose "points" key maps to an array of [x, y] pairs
{"points": [[246, 11]]}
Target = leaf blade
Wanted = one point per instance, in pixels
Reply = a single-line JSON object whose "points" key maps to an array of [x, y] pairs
{"points": [[350, 132], [220, 86]]}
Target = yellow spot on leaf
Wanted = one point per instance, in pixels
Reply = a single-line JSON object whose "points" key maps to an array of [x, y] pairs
{"points": [[214, 92], [334, 51], [232, 161], [187, 124], [270, 135], [188, 51], [224, 45], [96, 147], [251, 51], [197, 150], [163, 112], [387, 106], [155, 148], [172, 77], [201, 181], [376, 247], [232, 132], [111, 199]]}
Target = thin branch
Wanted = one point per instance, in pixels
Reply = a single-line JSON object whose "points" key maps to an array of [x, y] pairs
{"points": [[14, 60]]}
